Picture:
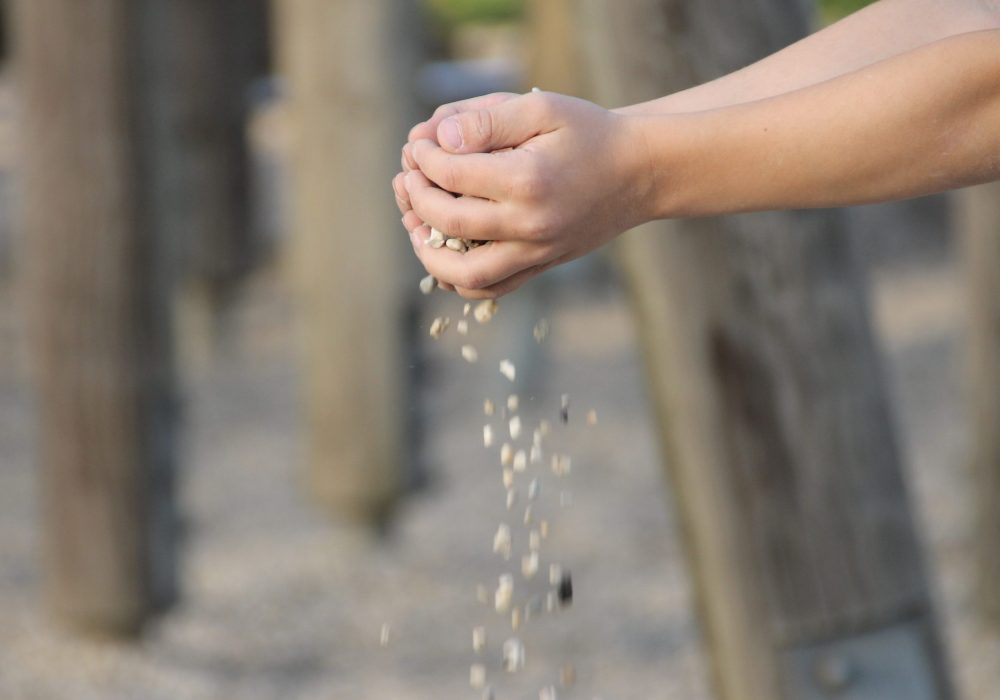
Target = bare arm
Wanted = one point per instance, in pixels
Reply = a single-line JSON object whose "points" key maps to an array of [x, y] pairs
{"points": [[924, 121], [880, 31]]}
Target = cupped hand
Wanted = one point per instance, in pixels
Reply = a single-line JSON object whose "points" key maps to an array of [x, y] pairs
{"points": [[544, 177]]}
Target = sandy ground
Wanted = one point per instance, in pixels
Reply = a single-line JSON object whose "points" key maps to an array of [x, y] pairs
{"points": [[281, 603]]}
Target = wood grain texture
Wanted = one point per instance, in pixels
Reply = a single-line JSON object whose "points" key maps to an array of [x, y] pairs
{"points": [[773, 409], [347, 66], [94, 301], [978, 224]]}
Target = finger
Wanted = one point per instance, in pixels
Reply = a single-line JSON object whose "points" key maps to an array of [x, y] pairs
{"points": [[478, 268], [506, 286], [471, 218], [402, 196], [406, 159], [428, 129], [411, 222], [506, 124], [485, 175]]}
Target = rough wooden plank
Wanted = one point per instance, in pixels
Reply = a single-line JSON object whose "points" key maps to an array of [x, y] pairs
{"points": [[773, 409], [347, 66], [95, 308], [978, 225]]}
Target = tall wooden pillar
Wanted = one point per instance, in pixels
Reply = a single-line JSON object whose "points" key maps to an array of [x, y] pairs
{"points": [[773, 410], [95, 297], [978, 225], [348, 67]]}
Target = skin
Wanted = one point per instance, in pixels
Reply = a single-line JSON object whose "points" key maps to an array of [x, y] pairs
{"points": [[898, 100]]}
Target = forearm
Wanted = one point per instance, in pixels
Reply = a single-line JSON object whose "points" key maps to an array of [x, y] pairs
{"points": [[875, 33], [922, 122]]}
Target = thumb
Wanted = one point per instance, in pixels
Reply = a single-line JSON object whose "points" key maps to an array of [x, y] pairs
{"points": [[505, 125]]}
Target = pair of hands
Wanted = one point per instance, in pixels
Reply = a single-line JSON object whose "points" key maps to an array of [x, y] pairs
{"points": [[544, 177]]}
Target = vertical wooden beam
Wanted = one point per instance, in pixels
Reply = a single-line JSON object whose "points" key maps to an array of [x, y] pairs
{"points": [[978, 225], [95, 303], [553, 47], [347, 66], [773, 411]]}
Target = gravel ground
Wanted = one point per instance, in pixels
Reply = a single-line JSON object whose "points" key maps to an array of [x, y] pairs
{"points": [[280, 603]]}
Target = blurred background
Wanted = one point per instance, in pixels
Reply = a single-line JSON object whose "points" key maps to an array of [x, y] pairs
{"points": [[233, 464]]}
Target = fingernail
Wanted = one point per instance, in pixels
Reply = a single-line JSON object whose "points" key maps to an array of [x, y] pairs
{"points": [[450, 134]]}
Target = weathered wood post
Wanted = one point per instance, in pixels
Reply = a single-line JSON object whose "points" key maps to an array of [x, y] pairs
{"points": [[96, 301], [978, 225], [773, 411], [209, 52], [347, 65]]}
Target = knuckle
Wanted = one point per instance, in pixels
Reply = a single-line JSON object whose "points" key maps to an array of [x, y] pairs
{"points": [[530, 185], [473, 279], [539, 227], [448, 177], [483, 125], [454, 226]]}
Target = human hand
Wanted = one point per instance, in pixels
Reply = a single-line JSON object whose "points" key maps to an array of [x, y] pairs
{"points": [[544, 177]]}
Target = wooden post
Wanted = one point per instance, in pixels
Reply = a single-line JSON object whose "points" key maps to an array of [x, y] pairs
{"points": [[347, 64], [978, 225], [553, 47], [95, 299], [773, 412], [210, 52]]}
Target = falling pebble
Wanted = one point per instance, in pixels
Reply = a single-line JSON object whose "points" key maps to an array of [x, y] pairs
{"points": [[383, 638], [541, 330], [469, 353], [508, 370], [591, 417]]}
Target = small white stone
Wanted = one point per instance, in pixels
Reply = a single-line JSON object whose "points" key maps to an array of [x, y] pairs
{"points": [[427, 284], [555, 574], [462, 327], [504, 593], [508, 370], [591, 417], [477, 675], [455, 244], [544, 427], [541, 330], [478, 639], [469, 353], [383, 637], [488, 407], [529, 565], [439, 326], [513, 655], [520, 461], [436, 239], [528, 513], [511, 498], [506, 454], [466, 309], [485, 310], [514, 426], [502, 541], [487, 435], [512, 403], [535, 455]]}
